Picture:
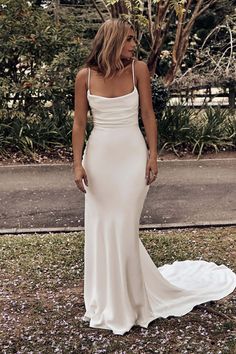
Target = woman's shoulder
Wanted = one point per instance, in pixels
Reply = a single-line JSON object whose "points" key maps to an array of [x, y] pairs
{"points": [[141, 69], [140, 65], [82, 74]]}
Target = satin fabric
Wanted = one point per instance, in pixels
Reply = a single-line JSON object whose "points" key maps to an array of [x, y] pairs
{"points": [[122, 285]]}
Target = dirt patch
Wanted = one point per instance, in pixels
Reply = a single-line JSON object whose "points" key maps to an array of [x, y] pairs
{"points": [[65, 155], [188, 156], [42, 300]]}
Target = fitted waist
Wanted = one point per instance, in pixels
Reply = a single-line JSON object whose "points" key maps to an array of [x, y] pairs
{"points": [[104, 136], [114, 125]]}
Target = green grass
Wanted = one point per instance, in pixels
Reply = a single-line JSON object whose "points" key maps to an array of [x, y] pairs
{"points": [[41, 297]]}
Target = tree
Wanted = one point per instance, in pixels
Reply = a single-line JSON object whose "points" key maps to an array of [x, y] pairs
{"points": [[155, 19], [39, 59], [215, 60]]}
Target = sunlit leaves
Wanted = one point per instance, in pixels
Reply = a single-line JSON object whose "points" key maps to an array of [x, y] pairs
{"points": [[178, 6]]}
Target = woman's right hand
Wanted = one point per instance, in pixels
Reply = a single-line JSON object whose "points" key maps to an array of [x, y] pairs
{"points": [[80, 175]]}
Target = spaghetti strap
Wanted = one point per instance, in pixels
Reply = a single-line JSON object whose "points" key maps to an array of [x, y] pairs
{"points": [[88, 82], [133, 72]]}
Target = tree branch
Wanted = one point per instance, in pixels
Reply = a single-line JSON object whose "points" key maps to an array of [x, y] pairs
{"points": [[150, 25], [98, 10], [211, 2]]}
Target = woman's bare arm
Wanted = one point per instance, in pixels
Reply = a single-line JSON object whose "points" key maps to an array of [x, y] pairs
{"points": [[147, 112], [80, 117], [148, 116], [79, 126]]}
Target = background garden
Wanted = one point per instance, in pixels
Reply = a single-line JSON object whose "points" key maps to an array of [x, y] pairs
{"points": [[189, 48]]}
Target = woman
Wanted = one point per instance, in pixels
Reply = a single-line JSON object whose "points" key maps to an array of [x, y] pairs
{"points": [[122, 285]]}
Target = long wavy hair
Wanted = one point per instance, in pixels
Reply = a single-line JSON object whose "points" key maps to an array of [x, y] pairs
{"points": [[107, 46]]}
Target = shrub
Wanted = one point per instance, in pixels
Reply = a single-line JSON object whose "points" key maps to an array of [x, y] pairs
{"points": [[175, 127], [160, 97], [218, 129], [38, 61]]}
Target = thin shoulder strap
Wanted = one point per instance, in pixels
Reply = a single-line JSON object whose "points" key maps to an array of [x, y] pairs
{"points": [[133, 72], [89, 75]]}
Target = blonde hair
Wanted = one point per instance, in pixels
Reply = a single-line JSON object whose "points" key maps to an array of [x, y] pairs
{"points": [[107, 47]]}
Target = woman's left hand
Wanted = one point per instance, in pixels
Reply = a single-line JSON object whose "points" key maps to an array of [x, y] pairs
{"points": [[151, 170]]}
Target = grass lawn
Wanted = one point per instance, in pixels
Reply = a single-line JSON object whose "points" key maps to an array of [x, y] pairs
{"points": [[41, 297]]}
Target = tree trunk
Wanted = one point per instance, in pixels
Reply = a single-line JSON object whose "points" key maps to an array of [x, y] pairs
{"points": [[164, 11], [232, 95]]}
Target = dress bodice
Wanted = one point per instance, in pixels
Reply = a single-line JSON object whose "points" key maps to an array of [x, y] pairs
{"points": [[109, 112]]}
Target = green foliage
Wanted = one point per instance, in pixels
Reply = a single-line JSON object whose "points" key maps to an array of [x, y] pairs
{"points": [[175, 127], [40, 54], [182, 127], [218, 129], [160, 97], [39, 59]]}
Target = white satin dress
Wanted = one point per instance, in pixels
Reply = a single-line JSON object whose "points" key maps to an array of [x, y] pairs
{"points": [[122, 285]]}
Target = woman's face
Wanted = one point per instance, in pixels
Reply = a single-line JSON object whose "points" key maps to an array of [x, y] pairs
{"points": [[129, 46]]}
